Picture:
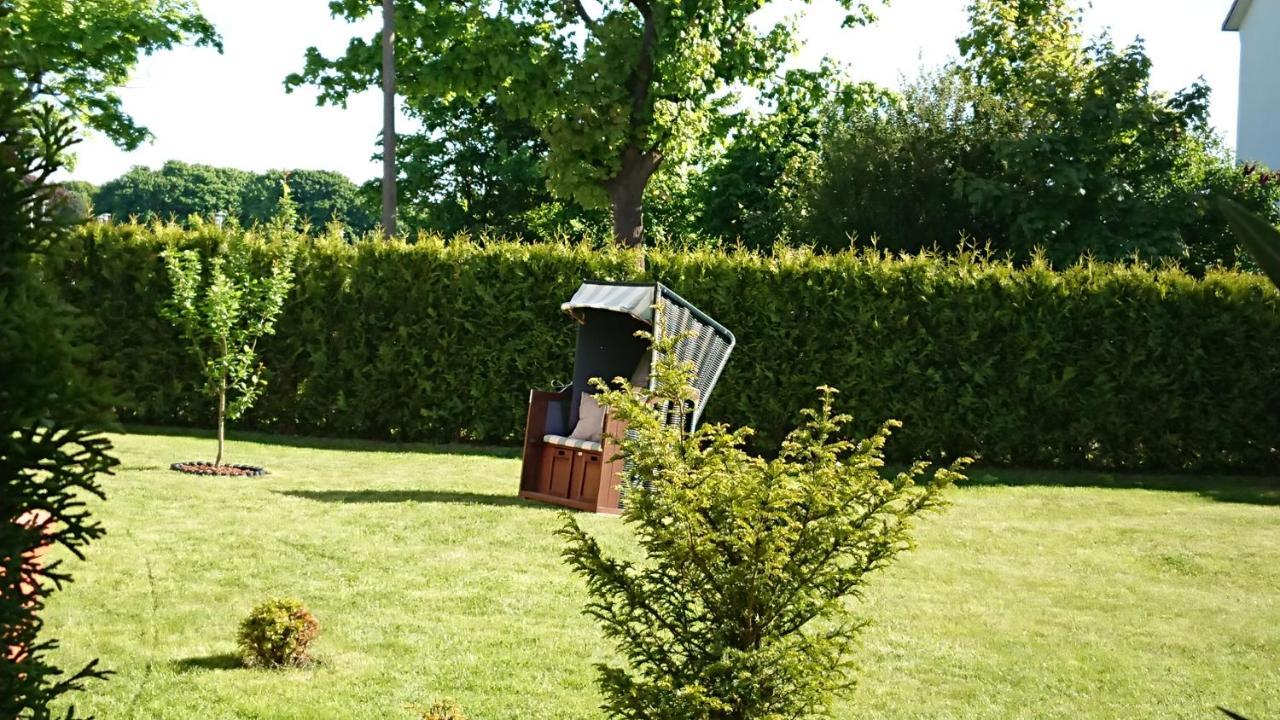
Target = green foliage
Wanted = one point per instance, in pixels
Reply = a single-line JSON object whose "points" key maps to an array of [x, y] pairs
{"points": [[752, 193], [1257, 234], [75, 201], [1211, 172], [1096, 365], [51, 410], [224, 306], [85, 189], [70, 207], [180, 190], [888, 174], [443, 710], [277, 634], [1087, 163], [1034, 139], [81, 50], [475, 170], [738, 609], [177, 190], [322, 196], [615, 91]]}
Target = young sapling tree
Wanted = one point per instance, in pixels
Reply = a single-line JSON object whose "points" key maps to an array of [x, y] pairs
{"points": [[224, 306]]}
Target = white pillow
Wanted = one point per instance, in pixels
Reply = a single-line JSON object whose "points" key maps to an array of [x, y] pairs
{"points": [[590, 419]]}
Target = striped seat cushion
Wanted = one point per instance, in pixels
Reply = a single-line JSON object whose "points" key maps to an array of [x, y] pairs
{"points": [[574, 443]]}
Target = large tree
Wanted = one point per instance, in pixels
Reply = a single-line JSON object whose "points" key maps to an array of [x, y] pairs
{"points": [[616, 88], [322, 196], [473, 169], [1035, 138], [77, 52], [751, 192], [1086, 163]]}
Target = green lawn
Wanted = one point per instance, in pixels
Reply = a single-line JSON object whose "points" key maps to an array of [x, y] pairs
{"points": [[1037, 595]]}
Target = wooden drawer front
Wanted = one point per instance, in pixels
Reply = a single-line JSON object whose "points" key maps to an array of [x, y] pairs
{"points": [[588, 486], [579, 469], [548, 456], [561, 471]]}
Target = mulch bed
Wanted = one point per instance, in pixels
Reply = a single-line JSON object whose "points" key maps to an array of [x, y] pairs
{"points": [[225, 469]]}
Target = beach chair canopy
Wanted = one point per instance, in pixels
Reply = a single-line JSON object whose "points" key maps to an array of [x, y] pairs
{"points": [[610, 314]]}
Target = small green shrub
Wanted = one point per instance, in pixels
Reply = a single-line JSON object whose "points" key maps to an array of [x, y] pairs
{"points": [[442, 710], [278, 633], [738, 610]]}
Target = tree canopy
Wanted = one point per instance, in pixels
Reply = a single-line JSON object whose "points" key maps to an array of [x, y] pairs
{"points": [[751, 192], [1087, 157], [615, 90], [178, 190], [77, 52], [322, 196], [1036, 139], [475, 168]]}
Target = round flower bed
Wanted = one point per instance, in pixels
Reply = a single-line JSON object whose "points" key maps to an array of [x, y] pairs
{"points": [[225, 469]]}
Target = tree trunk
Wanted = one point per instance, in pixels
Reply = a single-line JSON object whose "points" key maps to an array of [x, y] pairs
{"points": [[388, 118], [222, 421], [626, 195]]}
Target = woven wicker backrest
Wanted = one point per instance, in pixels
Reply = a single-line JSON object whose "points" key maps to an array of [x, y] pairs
{"points": [[705, 343], [607, 309]]}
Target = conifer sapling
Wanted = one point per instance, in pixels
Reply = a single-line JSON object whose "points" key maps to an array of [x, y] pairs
{"points": [[739, 608]]}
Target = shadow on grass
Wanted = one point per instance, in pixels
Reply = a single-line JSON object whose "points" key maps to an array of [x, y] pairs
{"points": [[1252, 490], [221, 661], [1229, 489], [408, 496], [322, 443]]}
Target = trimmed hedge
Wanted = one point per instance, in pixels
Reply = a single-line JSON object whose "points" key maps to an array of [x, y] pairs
{"points": [[1106, 366]]}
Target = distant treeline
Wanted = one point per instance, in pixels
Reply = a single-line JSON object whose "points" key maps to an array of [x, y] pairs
{"points": [[179, 190]]}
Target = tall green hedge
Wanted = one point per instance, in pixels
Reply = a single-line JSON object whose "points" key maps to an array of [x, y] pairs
{"points": [[1106, 366]]}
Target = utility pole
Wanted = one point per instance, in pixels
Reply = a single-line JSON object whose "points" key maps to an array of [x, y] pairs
{"points": [[388, 118]]}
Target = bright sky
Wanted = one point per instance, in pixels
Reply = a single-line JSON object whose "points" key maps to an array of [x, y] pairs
{"points": [[231, 109]]}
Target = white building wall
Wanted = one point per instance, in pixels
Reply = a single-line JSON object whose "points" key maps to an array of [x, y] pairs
{"points": [[1258, 138]]}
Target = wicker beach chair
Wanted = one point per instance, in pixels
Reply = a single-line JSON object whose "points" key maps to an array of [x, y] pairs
{"points": [[569, 455]]}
